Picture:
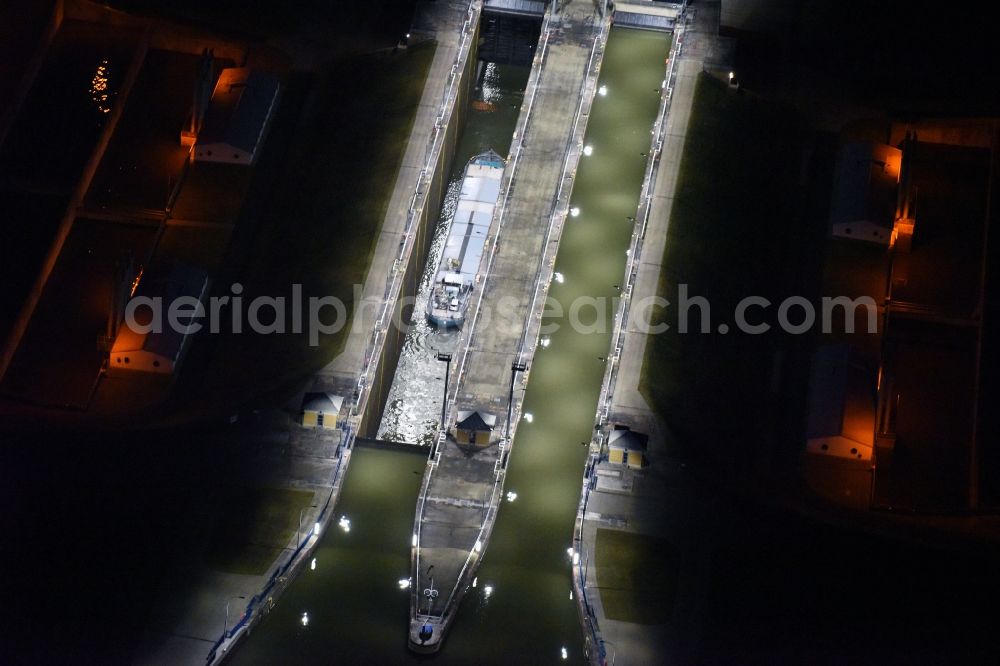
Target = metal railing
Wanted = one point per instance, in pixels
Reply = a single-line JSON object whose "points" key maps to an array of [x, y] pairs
{"points": [[560, 205], [528, 341], [638, 235], [416, 204], [497, 224], [397, 272], [260, 604], [591, 626], [278, 580]]}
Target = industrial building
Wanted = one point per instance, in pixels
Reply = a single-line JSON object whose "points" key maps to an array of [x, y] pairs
{"points": [[865, 192], [841, 413], [150, 343], [238, 116]]}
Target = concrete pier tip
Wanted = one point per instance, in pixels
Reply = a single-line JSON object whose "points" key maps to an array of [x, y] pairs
{"points": [[426, 635]]}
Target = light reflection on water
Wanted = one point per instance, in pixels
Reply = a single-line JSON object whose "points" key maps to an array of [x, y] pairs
{"points": [[414, 405], [100, 91], [492, 90], [413, 408]]}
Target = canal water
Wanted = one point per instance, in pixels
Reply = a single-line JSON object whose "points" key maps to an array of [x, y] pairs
{"points": [[413, 407], [521, 610], [356, 611], [529, 617]]}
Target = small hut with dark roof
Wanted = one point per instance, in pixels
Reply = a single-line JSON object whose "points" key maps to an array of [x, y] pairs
{"points": [[474, 427], [627, 447], [320, 410]]}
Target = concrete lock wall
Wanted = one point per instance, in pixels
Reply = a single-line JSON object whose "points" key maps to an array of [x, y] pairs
{"points": [[426, 223]]}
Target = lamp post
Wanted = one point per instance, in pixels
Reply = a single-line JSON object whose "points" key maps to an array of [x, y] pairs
{"points": [[430, 592], [614, 650], [515, 368], [298, 529], [225, 625], [585, 563], [446, 357]]}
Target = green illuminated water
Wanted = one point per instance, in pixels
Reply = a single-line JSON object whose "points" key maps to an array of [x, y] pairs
{"points": [[529, 616], [357, 613], [353, 601]]}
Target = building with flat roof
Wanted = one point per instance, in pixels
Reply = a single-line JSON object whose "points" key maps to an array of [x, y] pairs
{"points": [[238, 116], [150, 343], [841, 410], [865, 189]]}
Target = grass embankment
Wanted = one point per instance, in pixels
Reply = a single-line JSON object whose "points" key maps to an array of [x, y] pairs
{"points": [[320, 220], [249, 540], [736, 204], [637, 576]]}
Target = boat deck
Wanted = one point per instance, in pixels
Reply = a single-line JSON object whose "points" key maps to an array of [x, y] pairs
{"points": [[463, 251]]}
